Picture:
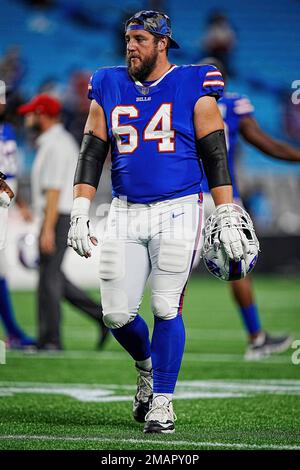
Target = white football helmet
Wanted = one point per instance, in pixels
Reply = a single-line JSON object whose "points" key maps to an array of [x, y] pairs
{"points": [[217, 261], [28, 250]]}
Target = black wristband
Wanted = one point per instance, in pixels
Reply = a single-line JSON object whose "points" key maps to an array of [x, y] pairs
{"points": [[213, 153], [93, 153], [2, 176]]}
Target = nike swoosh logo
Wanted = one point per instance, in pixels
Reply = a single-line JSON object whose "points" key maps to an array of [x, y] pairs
{"points": [[177, 215]]}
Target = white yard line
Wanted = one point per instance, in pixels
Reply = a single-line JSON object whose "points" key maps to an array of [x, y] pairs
{"points": [[100, 356], [196, 389], [162, 443], [249, 384]]}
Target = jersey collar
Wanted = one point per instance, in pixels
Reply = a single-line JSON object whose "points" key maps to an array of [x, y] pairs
{"points": [[139, 84]]}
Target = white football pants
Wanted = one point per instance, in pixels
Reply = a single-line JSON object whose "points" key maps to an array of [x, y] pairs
{"points": [[159, 240]]}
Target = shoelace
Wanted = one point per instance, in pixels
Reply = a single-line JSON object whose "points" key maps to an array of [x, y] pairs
{"points": [[144, 388], [161, 413]]}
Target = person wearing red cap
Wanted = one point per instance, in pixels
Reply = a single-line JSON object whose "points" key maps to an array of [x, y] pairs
{"points": [[43, 105], [51, 185]]}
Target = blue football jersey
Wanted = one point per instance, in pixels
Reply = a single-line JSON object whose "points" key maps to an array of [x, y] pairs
{"points": [[233, 108], [8, 151], [151, 129]]}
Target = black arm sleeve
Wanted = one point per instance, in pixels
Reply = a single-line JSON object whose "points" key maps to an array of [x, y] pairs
{"points": [[93, 153], [213, 153]]}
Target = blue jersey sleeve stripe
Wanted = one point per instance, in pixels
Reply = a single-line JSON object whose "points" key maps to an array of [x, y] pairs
{"points": [[213, 83], [213, 74]]}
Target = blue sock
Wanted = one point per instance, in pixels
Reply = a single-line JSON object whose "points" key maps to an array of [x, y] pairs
{"points": [[166, 352], [251, 319], [134, 337], [7, 313]]}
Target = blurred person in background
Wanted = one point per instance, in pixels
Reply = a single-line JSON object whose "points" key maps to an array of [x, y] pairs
{"points": [[12, 68], [12, 72], [238, 115], [16, 337], [51, 86], [219, 39], [52, 185], [75, 103], [291, 118]]}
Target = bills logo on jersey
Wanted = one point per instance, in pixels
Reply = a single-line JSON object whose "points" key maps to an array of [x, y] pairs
{"points": [[144, 90]]}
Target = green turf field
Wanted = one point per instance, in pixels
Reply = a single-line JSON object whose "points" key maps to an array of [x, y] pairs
{"points": [[81, 398]]}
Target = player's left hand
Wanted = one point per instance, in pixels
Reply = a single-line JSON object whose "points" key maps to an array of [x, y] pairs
{"points": [[80, 236], [231, 236]]}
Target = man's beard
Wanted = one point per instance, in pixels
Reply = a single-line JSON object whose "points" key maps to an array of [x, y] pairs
{"points": [[142, 72], [35, 128]]}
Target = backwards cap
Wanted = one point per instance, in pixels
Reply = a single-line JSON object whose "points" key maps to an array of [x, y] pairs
{"points": [[154, 22]]}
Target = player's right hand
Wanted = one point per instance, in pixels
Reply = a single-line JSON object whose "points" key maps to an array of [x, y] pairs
{"points": [[234, 242], [80, 236], [231, 235]]}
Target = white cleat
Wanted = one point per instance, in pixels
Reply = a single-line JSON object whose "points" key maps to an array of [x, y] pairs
{"points": [[265, 345], [143, 397], [161, 417]]}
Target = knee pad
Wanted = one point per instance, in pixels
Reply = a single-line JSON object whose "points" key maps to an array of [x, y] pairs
{"points": [[174, 256], [161, 308], [115, 308], [116, 320], [112, 260]]}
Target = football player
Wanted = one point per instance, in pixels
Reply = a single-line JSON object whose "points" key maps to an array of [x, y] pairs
{"points": [[238, 114], [16, 337], [159, 119]]}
